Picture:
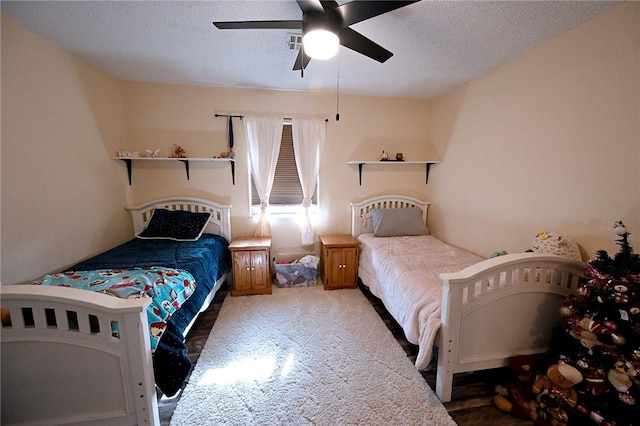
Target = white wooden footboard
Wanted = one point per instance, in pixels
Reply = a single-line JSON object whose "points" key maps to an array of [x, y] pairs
{"points": [[61, 364], [499, 308]]}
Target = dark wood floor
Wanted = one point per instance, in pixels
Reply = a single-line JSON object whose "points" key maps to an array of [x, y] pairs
{"points": [[472, 392]]}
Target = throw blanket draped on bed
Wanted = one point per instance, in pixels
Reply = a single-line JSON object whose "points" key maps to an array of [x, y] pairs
{"points": [[404, 272], [167, 288], [207, 259]]}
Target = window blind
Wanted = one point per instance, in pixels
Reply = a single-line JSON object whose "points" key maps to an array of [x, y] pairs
{"points": [[286, 183]]}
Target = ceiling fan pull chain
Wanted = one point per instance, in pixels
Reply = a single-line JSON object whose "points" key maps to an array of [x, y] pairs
{"points": [[302, 65], [338, 91]]}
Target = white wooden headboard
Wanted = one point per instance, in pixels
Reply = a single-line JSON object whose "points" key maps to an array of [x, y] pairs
{"points": [[360, 210], [220, 222]]}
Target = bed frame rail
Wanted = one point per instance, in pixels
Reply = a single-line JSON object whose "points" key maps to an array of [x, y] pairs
{"points": [[75, 357], [500, 308]]}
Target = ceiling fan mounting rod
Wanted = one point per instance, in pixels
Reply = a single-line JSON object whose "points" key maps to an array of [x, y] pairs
{"points": [[316, 21]]}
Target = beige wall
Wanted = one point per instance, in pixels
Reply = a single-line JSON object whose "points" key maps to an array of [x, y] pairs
{"points": [[63, 121], [549, 141], [157, 116], [62, 200]]}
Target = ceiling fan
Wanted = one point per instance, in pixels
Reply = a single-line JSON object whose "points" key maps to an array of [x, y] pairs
{"points": [[334, 20]]}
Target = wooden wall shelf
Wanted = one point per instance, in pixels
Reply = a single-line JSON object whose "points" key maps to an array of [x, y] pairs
{"points": [[129, 160], [361, 164]]}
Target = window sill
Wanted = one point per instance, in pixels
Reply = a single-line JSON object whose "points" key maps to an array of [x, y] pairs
{"points": [[281, 211]]}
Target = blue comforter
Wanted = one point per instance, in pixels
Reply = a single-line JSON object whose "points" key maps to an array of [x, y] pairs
{"points": [[167, 288], [207, 260]]}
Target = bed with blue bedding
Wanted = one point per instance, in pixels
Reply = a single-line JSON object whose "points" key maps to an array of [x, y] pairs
{"points": [[112, 348], [206, 259]]}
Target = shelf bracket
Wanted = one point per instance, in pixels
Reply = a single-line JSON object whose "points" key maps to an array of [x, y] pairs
{"points": [[128, 162], [186, 161], [186, 167], [361, 164]]}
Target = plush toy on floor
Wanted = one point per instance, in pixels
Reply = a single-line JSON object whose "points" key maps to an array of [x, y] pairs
{"points": [[555, 395], [514, 396]]}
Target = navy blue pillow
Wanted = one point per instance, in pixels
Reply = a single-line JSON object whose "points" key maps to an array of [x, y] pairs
{"points": [[177, 225]]}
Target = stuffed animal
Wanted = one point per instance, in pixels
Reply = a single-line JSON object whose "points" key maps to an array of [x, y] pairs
{"points": [[178, 152], [551, 243], [554, 394], [514, 396], [620, 375], [578, 328], [6, 317]]}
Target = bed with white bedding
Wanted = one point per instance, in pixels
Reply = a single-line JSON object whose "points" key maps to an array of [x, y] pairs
{"points": [[405, 272], [478, 312]]}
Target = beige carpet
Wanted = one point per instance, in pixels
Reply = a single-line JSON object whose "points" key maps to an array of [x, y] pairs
{"points": [[305, 356]]}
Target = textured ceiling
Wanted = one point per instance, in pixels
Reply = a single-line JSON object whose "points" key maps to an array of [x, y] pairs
{"points": [[437, 45]]}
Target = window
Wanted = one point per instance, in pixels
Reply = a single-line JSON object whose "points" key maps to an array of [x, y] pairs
{"points": [[286, 194]]}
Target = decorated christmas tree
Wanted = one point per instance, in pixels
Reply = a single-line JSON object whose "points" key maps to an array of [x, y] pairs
{"points": [[598, 348]]}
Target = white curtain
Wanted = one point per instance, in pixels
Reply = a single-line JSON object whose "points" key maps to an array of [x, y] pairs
{"points": [[263, 142], [308, 145]]}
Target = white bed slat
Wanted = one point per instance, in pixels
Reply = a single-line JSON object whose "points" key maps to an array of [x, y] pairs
{"points": [[39, 317]]}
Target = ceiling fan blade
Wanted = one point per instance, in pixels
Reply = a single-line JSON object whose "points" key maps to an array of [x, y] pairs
{"points": [[359, 43], [299, 60], [313, 6], [357, 11], [259, 25], [329, 4]]}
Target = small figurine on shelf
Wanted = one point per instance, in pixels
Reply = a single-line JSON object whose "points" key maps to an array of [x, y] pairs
{"points": [[399, 156], [226, 154], [178, 152], [152, 154], [384, 156]]}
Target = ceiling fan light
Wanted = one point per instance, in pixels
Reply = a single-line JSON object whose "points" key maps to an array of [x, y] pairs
{"points": [[320, 44]]}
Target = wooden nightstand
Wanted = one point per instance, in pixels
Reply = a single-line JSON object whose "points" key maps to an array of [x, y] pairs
{"points": [[339, 261], [251, 266]]}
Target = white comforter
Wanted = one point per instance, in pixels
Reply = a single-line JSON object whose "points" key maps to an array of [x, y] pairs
{"points": [[404, 272]]}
